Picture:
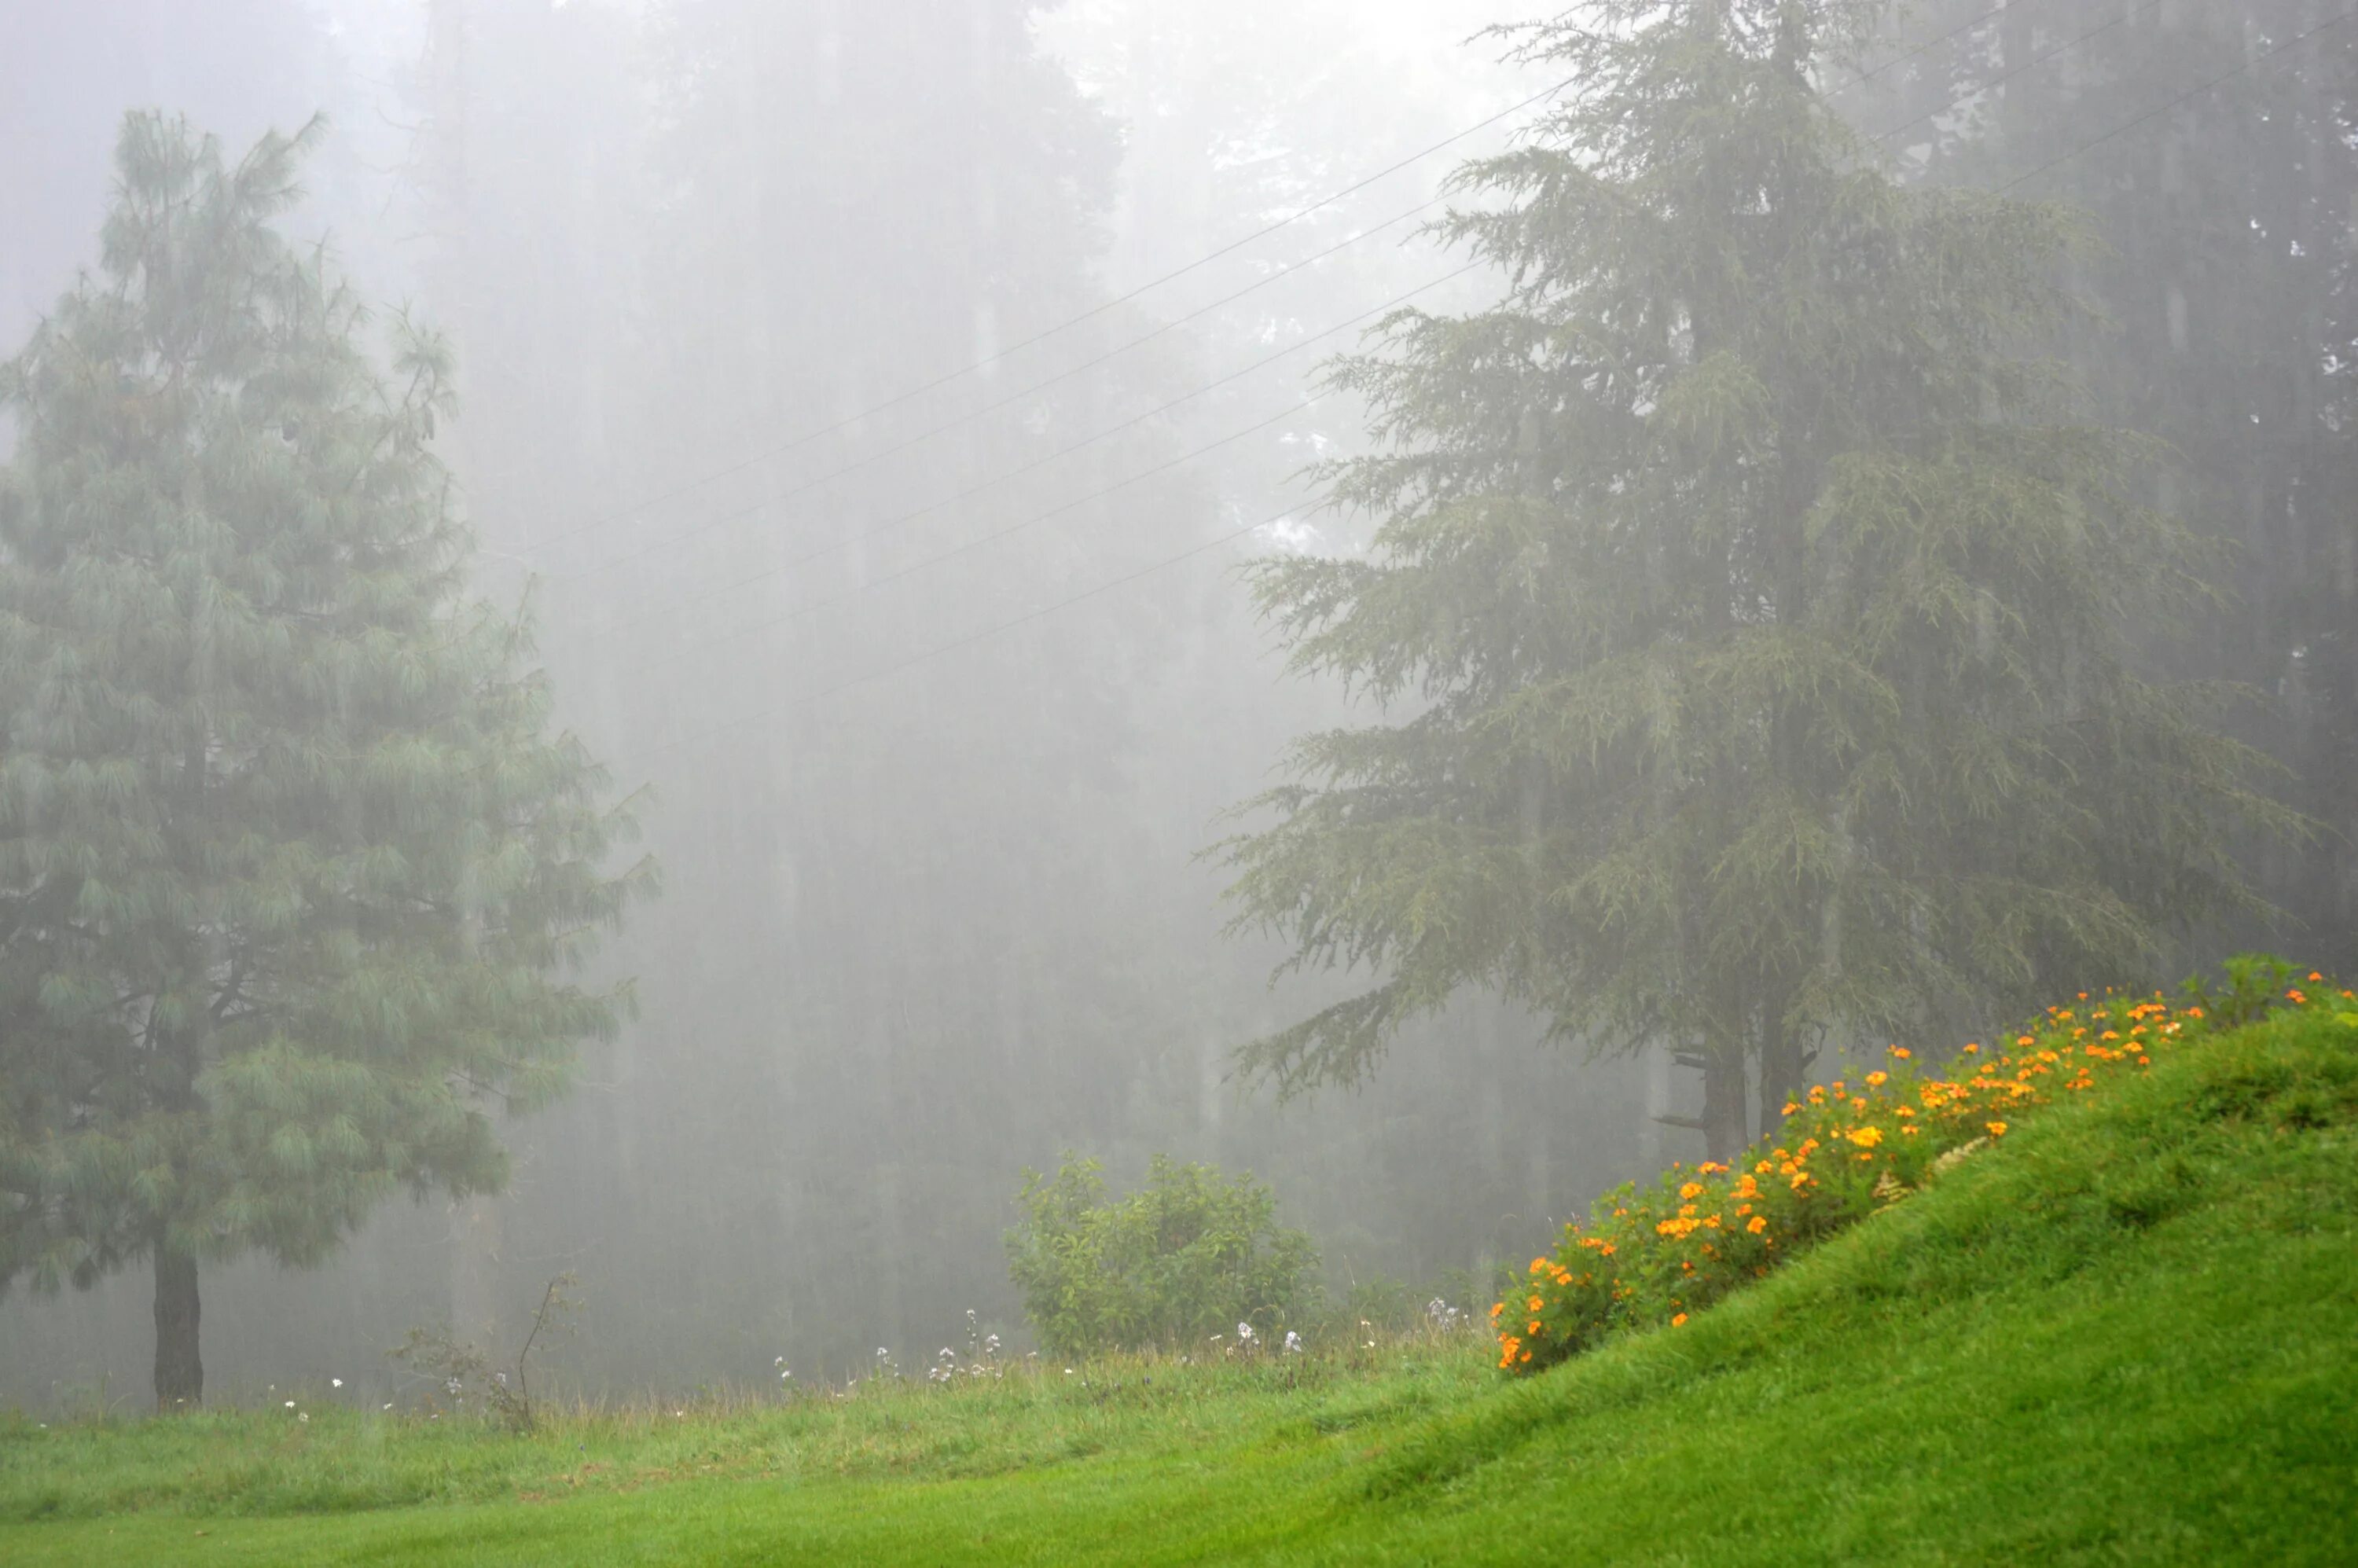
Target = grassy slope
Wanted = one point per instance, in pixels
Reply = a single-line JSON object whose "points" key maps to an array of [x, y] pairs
{"points": [[2130, 1335]]}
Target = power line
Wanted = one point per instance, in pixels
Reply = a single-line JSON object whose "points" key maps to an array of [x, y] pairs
{"points": [[862, 536], [1062, 327], [1012, 399], [2183, 98], [723, 519], [943, 650], [1997, 81], [689, 600], [851, 420]]}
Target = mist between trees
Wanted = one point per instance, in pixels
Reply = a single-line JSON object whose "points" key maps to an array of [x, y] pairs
{"points": [[939, 687]]}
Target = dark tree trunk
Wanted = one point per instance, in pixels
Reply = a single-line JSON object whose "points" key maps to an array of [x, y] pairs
{"points": [[1784, 1064], [179, 1374], [1724, 1131]]}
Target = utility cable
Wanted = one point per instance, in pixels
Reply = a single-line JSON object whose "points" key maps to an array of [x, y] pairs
{"points": [[771, 715], [2182, 98], [2034, 63], [864, 536], [1062, 327], [804, 487], [686, 486]]}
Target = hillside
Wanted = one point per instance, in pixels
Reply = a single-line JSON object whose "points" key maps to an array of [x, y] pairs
{"points": [[2128, 1332]]}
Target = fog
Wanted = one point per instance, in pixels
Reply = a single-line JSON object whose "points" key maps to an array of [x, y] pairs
{"points": [[876, 402]]}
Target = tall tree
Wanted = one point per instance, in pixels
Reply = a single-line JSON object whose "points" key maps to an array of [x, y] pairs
{"points": [[1763, 612], [291, 865]]}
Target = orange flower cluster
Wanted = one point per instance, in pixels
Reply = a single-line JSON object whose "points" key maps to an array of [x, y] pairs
{"points": [[1844, 1150]]}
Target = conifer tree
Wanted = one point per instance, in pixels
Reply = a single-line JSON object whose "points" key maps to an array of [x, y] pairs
{"points": [[1751, 611], [292, 864]]}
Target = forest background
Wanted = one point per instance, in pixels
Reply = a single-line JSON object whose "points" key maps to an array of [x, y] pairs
{"points": [[934, 912]]}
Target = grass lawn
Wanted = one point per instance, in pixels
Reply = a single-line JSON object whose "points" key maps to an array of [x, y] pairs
{"points": [[2127, 1335]]}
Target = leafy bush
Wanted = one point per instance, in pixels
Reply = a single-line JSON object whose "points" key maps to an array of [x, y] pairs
{"points": [[1844, 1150], [1189, 1255]]}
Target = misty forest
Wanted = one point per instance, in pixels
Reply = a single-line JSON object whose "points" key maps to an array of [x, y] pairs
{"points": [[1071, 780]]}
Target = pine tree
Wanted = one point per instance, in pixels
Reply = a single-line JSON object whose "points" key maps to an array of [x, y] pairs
{"points": [[292, 864], [1752, 613]]}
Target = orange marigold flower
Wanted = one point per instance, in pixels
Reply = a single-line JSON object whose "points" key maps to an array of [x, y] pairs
{"points": [[1692, 1191], [1997, 1130], [1877, 1080], [1902, 1051], [1971, 1049], [1864, 1137], [1535, 1304], [1756, 1224], [1539, 1265]]}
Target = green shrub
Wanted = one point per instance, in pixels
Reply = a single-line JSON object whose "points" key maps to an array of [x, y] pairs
{"points": [[1190, 1254]]}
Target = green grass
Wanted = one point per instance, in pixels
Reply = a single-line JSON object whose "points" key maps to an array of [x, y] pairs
{"points": [[2127, 1335]]}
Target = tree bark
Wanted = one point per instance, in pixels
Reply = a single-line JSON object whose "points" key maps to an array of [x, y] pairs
{"points": [[1784, 1064], [179, 1372], [1724, 1131]]}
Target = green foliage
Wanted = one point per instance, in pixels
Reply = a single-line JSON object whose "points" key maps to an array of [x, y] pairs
{"points": [[292, 866], [1187, 1257], [1762, 610], [2254, 983]]}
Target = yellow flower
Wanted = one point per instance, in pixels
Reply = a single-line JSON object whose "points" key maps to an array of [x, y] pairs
{"points": [[1997, 1130], [1756, 1224], [1539, 1265], [1535, 1304], [1864, 1137], [1876, 1080], [1690, 1192]]}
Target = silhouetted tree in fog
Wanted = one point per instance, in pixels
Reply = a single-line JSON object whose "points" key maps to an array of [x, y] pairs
{"points": [[290, 862], [1760, 606]]}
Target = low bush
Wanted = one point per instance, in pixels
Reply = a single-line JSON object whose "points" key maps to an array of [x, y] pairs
{"points": [[1844, 1150], [1190, 1254]]}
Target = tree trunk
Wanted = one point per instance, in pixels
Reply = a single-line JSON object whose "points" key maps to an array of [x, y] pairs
{"points": [[1724, 1131], [179, 1374], [1784, 1064]]}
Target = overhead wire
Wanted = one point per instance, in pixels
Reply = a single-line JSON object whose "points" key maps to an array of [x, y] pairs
{"points": [[984, 362], [1092, 313], [1027, 393], [778, 712], [872, 459], [864, 536]]}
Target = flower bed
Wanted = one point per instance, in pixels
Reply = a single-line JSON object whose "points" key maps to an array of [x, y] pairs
{"points": [[1843, 1151]]}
